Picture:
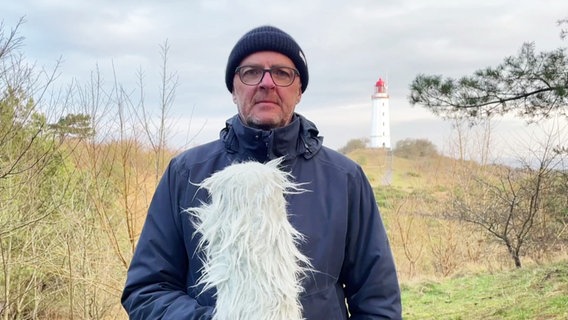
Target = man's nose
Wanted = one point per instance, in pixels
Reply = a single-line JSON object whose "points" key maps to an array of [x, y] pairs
{"points": [[266, 80]]}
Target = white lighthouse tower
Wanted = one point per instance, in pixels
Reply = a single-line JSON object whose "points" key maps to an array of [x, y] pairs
{"points": [[380, 128]]}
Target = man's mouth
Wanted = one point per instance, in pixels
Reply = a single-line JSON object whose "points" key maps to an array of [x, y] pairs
{"points": [[265, 102]]}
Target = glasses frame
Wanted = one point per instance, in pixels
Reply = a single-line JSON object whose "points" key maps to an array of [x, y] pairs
{"points": [[270, 70]]}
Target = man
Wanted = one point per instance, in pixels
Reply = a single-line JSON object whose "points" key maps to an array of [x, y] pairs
{"points": [[345, 239]]}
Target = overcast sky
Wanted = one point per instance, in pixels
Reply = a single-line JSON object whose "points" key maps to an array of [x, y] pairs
{"points": [[348, 44]]}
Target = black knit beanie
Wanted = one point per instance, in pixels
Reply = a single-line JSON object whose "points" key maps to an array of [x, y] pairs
{"points": [[266, 38]]}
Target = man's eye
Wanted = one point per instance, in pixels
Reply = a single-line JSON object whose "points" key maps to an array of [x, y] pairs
{"points": [[252, 72], [281, 73]]}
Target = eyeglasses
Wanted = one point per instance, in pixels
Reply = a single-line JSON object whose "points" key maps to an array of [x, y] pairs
{"points": [[253, 75]]}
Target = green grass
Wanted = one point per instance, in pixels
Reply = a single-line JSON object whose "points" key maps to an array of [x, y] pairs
{"points": [[527, 293]]}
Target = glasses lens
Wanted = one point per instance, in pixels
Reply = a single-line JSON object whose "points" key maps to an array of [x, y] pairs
{"points": [[251, 75], [282, 76]]}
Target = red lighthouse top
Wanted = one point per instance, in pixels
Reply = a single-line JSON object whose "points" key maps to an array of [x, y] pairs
{"points": [[380, 86]]}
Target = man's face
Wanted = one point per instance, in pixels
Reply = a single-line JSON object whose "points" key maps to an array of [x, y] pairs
{"points": [[266, 105]]}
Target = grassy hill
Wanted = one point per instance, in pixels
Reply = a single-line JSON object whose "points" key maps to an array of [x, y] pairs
{"points": [[453, 270]]}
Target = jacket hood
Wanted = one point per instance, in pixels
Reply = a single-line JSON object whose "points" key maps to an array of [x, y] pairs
{"points": [[299, 138]]}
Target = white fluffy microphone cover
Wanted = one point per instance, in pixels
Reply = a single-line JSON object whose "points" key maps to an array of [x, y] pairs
{"points": [[250, 247]]}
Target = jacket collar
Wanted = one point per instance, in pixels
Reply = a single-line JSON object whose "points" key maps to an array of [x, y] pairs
{"points": [[299, 138]]}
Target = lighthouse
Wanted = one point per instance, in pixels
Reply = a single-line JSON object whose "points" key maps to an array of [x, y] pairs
{"points": [[380, 128]]}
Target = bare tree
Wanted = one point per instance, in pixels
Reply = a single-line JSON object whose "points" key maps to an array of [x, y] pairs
{"points": [[406, 221], [156, 128], [510, 203]]}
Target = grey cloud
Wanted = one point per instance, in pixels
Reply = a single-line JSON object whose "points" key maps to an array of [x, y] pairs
{"points": [[349, 44]]}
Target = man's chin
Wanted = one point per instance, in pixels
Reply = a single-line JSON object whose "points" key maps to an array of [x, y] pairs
{"points": [[262, 126], [264, 123]]}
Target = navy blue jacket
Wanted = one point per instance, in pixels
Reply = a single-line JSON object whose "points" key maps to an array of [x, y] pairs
{"points": [[345, 237]]}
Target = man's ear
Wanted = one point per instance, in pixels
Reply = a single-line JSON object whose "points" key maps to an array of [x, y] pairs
{"points": [[234, 98]]}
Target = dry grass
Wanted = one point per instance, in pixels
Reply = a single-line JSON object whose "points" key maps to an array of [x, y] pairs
{"points": [[426, 244]]}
